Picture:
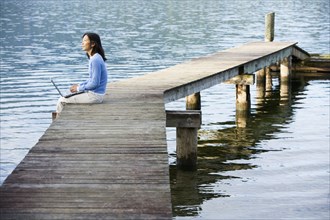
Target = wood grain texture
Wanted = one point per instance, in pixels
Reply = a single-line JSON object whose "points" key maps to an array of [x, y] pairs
{"points": [[109, 160]]}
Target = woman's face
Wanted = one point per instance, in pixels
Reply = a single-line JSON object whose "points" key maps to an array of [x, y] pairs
{"points": [[86, 44]]}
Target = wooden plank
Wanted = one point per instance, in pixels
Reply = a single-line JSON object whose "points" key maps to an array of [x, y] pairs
{"points": [[184, 119]]}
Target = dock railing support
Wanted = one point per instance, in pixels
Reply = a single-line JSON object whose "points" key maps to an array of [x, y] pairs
{"points": [[187, 124]]}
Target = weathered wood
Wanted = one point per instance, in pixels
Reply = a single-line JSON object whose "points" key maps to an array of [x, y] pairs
{"points": [[315, 63], [184, 119], [186, 148], [285, 69], [243, 99], [187, 124], [205, 72], [109, 161], [269, 81], [245, 79], [269, 27]]}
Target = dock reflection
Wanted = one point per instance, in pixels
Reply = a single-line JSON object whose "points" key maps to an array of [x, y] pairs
{"points": [[216, 148]]}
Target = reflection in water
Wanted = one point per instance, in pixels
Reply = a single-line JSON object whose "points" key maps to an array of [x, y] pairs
{"points": [[217, 148]]}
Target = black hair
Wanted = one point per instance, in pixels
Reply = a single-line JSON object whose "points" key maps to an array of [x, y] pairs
{"points": [[95, 38]]}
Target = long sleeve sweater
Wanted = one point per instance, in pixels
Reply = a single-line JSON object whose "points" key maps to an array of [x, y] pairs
{"points": [[98, 76]]}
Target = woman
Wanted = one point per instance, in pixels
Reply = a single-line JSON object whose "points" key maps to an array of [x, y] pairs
{"points": [[94, 88]]}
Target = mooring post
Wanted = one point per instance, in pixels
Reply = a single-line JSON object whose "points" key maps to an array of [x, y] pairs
{"points": [[269, 26], [264, 78], [187, 124], [269, 37]]}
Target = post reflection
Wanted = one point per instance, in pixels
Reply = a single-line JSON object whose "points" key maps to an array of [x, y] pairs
{"points": [[216, 148]]}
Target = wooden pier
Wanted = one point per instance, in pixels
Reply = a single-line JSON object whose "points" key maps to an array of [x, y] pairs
{"points": [[110, 161]]}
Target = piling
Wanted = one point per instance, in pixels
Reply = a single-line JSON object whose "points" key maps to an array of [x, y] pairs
{"points": [[285, 79], [187, 138], [269, 27], [285, 69], [243, 101], [187, 124], [186, 148]]}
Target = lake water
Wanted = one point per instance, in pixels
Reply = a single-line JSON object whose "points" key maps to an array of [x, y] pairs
{"points": [[275, 168]]}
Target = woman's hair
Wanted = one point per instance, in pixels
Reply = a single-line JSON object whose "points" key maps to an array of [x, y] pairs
{"points": [[95, 38]]}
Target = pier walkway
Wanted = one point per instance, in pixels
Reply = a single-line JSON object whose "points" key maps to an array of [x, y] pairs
{"points": [[109, 161]]}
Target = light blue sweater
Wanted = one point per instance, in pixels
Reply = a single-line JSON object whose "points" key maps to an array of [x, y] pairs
{"points": [[98, 76]]}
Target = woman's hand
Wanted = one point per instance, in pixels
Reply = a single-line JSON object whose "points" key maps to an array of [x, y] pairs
{"points": [[73, 88]]}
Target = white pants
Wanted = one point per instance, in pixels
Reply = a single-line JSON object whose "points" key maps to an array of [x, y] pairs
{"points": [[83, 98]]}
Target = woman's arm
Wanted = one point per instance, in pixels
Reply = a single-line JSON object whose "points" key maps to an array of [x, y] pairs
{"points": [[94, 77]]}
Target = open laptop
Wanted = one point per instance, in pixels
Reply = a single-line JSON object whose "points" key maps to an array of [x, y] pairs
{"points": [[65, 96]]}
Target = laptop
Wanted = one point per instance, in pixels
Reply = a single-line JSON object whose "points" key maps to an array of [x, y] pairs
{"points": [[65, 96]]}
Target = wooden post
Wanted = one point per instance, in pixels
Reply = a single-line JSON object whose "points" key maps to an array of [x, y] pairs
{"points": [[193, 102], [186, 138], [261, 77], [243, 102], [187, 124], [269, 82], [261, 85], [269, 27], [243, 105], [285, 80], [186, 148], [269, 37], [285, 70]]}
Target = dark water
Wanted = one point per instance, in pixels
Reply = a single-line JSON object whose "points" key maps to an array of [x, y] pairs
{"points": [[275, 168]]}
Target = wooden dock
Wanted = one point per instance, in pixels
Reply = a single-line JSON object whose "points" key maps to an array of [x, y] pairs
{"points": [[110, 161]]}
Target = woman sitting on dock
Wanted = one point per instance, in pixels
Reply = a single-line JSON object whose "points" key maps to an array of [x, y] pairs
{"points": [[95, 87]]}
